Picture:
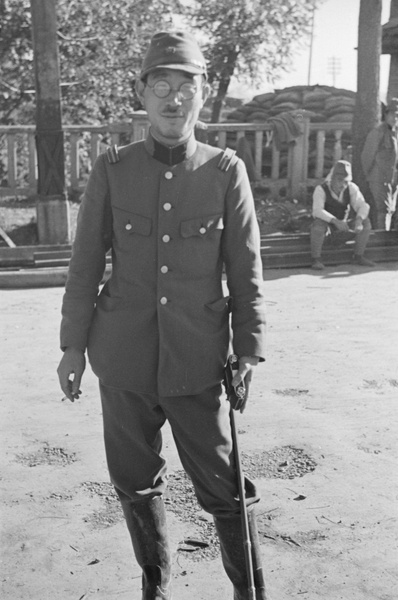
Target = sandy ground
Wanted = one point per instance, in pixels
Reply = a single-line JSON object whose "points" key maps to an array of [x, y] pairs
{"points": [[327, 396]]}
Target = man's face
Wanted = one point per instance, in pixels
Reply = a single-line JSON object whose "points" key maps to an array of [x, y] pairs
{"points": [[172, 118], [338, 183]]}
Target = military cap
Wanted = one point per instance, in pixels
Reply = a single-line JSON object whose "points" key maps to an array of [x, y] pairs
{"points": [[177, 50]]}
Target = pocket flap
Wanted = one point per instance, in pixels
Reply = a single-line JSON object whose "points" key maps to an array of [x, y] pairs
{"points": [[131, 222], [200, 226], [220, 304]]}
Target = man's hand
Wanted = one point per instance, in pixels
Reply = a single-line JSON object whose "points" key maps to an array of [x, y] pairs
{"points": [[341, 225], [245, 374], [358, 226], [73, 363]]}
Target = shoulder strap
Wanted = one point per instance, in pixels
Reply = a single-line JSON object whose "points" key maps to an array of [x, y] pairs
{"points": [[112, 154], [226, 159]]}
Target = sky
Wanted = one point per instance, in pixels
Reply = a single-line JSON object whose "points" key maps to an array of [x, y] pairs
{"points": [[334, 41]]}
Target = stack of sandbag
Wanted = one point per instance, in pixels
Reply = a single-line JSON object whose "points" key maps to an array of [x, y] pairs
{"points": [[320, 103]]}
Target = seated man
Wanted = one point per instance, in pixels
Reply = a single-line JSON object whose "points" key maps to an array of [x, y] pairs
{"points": [[333, 201]]}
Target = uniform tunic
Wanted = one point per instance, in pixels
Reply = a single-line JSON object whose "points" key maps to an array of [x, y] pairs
{"points": [[379, 162], [379, 155], [161, 322]]}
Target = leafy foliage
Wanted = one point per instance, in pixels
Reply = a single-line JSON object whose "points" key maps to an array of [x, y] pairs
{"points": [[100, 51], [16, 58], [101, 46], [257, 34], [101, 42], [251, 39]]}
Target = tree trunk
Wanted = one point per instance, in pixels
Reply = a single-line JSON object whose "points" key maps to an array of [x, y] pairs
{"points": [[224, 81], [53, 220], [367, 108], [219, 99]]}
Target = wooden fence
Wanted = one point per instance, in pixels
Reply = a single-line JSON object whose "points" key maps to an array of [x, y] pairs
{"points": [[294, 167]]}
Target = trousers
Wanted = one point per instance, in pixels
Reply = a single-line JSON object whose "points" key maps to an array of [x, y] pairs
{"points": [[320, 228], [384, 204], [201, 429]]}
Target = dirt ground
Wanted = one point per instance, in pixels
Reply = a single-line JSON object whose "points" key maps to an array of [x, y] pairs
{"points": [[319, 436]]}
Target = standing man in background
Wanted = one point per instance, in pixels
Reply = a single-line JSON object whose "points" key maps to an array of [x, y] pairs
{"points": [[174, 213], [379, 163]]}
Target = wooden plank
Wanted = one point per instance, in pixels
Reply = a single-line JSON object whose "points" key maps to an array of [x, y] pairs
{"points": [[12, 161], [320, 153], [276, 257], [222, 139], [258, 153], [52, 255], [95, 145], [18, 256], [329, 258], [7, 238], [32, 161], [337, 145], [74, 160], [275, 162]]}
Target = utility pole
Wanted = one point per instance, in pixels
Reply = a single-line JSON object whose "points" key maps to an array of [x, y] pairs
{"points": [[334, 68], [53, 218], [311, 45]]}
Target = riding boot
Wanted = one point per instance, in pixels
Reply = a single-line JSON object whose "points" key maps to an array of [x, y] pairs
{"points": [[230, 534], [146, 521]]}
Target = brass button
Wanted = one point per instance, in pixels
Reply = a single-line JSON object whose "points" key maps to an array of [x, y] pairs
{"points": [[164, 269], [166, 238], [163, 300], [129, 226], [168, 175], [167, 206], [202, 230]]}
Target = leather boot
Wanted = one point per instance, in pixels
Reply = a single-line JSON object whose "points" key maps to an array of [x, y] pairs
{"points": [[229, 531], [146, 521]]}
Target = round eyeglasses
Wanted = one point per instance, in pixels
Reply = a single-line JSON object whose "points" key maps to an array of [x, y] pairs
{"points": [[162, 89]]}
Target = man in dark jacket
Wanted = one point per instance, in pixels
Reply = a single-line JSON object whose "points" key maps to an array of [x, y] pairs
{"points": [[379, 163], [175, 213], [339, 209]]}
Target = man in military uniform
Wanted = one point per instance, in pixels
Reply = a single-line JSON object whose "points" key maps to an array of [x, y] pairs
{"points": [[174, 213], [379, 163]]}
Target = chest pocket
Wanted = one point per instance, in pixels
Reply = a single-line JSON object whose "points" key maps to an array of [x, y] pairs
{"points": [[129, 223], [201, 226]]}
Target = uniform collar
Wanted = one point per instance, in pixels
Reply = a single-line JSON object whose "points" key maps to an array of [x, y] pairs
{"points": [[170, 155]]}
